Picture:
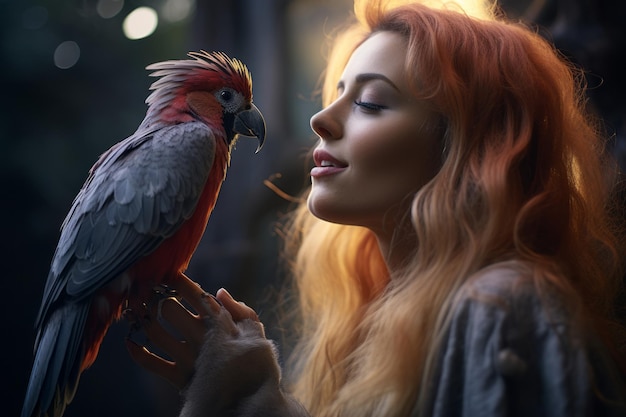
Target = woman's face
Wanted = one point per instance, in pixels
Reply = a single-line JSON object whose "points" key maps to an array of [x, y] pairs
{"points": [[377, 146]]}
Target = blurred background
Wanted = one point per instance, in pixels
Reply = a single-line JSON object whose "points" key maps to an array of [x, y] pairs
{"points": [[73, 84]]}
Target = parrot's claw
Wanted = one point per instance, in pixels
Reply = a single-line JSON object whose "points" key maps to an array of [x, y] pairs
{"points": [[135, 324], [160, 293], [133, 318], [164, 290]]}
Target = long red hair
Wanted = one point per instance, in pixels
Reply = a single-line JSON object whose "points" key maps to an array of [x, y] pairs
{"points": [[524, 176]]}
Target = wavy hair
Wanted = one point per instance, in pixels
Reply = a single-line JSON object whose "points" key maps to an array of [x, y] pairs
{"points": [[524, 176]]}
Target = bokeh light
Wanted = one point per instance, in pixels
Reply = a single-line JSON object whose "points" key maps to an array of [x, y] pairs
{"points": [[177, 10], [140, 23], [66, 55], [109, 8]]}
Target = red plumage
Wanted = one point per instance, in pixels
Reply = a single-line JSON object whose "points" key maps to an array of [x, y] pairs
{"points": [[139, 216]]}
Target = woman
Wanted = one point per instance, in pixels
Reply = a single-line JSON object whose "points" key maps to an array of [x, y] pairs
{"points": [[455, 254]]}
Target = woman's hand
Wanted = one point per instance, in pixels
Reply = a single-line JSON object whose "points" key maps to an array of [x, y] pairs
{"points": [[221, 359], [168, 312]]}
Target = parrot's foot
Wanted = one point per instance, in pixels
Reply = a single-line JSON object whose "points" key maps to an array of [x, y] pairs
{"points": [[135, 320], [161, 293], [165, 291], [144, 314]]}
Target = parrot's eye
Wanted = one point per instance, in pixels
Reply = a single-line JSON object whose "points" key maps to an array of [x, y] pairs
{"points": [[226, 95], [231, 100]]}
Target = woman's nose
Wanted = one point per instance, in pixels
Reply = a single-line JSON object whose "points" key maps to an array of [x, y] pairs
{"points": [[326, 123]]}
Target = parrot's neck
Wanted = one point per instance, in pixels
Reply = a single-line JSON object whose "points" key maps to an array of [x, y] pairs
{"points": [[155, 120]]}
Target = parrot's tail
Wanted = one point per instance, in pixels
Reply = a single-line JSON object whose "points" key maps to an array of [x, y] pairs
{"points": [[58, 356]]}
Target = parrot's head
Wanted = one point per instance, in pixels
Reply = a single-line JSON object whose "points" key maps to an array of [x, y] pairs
{"points": [[211, 88]]}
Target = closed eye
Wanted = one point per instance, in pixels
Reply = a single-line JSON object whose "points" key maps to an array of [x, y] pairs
{"points": [[370, 106]]}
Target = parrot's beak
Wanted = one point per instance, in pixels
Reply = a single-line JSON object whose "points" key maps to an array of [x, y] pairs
{"points": [[250, 123]]}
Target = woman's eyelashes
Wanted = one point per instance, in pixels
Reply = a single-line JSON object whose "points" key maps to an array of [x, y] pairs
{"points": [[370, 106], [365, 97], [373, 98]]}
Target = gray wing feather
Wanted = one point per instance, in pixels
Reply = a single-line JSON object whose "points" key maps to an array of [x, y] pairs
{"points": [[137, 194]]}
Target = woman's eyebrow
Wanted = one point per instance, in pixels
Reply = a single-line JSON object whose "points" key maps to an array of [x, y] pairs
{"points": [[369, 76]]}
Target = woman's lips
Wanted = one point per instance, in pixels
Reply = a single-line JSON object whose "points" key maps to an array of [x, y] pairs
{"points": [[326, 164]]}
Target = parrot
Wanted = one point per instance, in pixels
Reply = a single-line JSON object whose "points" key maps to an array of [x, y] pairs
{"points": [[139, 217]]}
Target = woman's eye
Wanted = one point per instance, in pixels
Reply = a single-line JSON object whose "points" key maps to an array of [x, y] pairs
{"points": [[370, 106]]}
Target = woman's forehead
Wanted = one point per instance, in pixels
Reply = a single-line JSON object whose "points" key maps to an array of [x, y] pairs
{"points": [[382, 53]]}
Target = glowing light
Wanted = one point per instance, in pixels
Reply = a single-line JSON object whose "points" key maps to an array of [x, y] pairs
{"points": [[109, 8], [66, 55], [177, 10], [140, 23], [482, 9]]}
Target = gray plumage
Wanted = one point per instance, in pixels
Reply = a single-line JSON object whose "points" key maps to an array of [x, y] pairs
{"points": [[138, 194]]}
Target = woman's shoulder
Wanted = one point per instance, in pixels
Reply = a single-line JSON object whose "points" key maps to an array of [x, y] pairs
{"points": [[510, 288], [503, 301], [508, 345], [507, 278], [506, 301]]}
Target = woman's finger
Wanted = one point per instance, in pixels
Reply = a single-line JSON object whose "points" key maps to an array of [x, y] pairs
{"points": [[157, 365], [238, 310], [201, 301], [178, 350], [177, 317]]}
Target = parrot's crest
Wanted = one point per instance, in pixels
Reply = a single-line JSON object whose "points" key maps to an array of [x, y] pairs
{"points": [[205, 70], [233, 69], [139, 217]]}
